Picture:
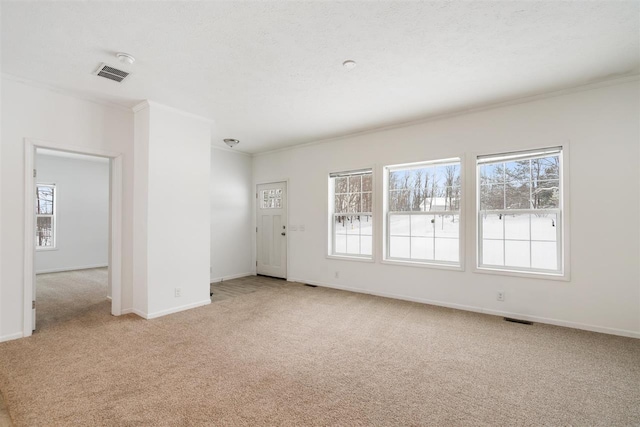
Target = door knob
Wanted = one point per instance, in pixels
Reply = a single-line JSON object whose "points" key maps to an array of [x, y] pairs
{"points": [[283, 233]]}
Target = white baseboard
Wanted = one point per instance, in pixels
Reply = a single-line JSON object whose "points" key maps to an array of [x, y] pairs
{"points": [[60, 270], [126, 311], [172, 310], [11, 337], [546, 320], [232, 276]]}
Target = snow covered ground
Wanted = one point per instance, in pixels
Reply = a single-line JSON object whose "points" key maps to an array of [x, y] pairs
{"points": [[514, 240]]}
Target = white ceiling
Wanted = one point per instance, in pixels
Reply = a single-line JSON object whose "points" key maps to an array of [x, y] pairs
{"points": [[270, 74]]}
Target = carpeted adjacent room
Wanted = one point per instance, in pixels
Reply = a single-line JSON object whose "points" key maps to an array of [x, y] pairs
{"points": [[293, 354]]}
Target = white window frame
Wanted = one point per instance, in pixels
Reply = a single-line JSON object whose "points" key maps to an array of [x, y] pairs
{"points": [[53, 217], [562, 212], [331, 252], [446, 265]]}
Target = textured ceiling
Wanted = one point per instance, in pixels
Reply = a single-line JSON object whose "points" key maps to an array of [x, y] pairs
{"points": [[270, 74]]}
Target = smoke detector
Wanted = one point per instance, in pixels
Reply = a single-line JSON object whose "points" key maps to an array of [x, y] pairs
{"points": [[125, 58], [111, 73], [231, 142]]}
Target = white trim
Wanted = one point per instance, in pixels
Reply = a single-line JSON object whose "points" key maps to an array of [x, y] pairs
{"points": [[115, 223], [460, 160], [10, 337], [476, 309], [230, 150], [147, 103], [126, 311], [59, 270], [66, 92], [461, 112], [422, 264], [229, 277], [172, 310], [352, 258]]}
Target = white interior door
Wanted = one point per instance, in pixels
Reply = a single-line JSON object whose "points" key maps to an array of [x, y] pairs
{"points": [[271, 254]]}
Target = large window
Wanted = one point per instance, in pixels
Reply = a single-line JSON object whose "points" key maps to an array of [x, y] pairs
{"points": [[351, 213], [520, 211], [45, 216], [423, 212]]}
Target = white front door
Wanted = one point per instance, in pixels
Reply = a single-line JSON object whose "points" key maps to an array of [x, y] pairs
{"points": [[271, 254]]}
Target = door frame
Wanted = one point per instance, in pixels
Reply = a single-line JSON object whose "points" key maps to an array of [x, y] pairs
{"points": [[255, 234], [115, 222]]}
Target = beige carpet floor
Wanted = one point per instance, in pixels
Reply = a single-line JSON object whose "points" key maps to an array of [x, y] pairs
{"points": [[295, 355]]}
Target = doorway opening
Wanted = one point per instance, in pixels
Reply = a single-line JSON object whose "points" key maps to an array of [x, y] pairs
{"points": [[73, 232], [271, 229]]}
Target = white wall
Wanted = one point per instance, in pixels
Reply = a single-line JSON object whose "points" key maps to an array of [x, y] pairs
{"points": [[602, 126], [32, 112], [231, 194], [173, 162], [82, 213]]}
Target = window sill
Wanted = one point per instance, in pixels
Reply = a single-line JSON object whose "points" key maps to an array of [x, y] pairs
{"points": [[558, 277], [351, 258], [46, 249], [423, 265]]}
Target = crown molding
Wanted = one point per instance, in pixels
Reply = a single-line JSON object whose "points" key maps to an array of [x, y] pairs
{"points": [[66, 92], [148, 104], [461, 112], [230, 150]]}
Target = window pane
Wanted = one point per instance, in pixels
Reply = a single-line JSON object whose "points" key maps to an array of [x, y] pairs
{"points": [[422, 248], [517, 171], [366, 225], [399, 225], [421, 225], [397, 180], [354, 202], [399, 201], [492, 226], [355, 184], [399, 247], [367, 182], [492, 196], [518, 195], [447, 226], [516, 227], [544, 227], [546, 194], [44, 231], [516, 253], [546, 168], [492, 252], [544, 255], [44, 200], [340, 203], [366, 245], [353, 245], [352, 224], [341, 243], [447, 250], [341, 185], [339, 224], [492, 173], [366, 202]]}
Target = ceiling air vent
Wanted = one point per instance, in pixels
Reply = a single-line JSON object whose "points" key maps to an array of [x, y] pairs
{"points": [[111, 73]]}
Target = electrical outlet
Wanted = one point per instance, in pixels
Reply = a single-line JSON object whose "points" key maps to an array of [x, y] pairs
{"points": [[336, 275], [500, 296], [178, 292]]}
